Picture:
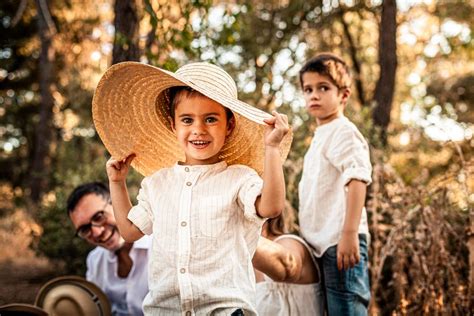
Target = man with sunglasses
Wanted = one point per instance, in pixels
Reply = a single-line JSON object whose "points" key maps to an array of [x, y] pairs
{"points": [[120, 269]]}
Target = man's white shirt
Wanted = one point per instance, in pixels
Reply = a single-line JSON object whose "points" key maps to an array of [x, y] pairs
{"points": [[125, 294]]}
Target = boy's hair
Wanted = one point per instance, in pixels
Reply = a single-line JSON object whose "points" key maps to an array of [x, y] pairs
{"points": [[177, 94], [79, 192], [329, 65], [283, 224]]}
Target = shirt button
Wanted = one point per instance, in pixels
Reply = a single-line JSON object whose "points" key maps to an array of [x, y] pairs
{"points": [[187, 170], [182, 270], [188, 184], [183, 224], [188, 313]]}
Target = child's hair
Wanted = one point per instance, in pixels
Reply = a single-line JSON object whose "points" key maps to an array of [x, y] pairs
{"points": [[331, 66], [177, 94], [283, 224]]}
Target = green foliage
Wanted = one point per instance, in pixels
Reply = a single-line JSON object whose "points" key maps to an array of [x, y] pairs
{"points": [[58, 241]]}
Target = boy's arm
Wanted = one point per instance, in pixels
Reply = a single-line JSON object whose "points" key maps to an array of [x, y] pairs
{"points": [[272, 200], [348, 247], [279, 263], [117, 172]]}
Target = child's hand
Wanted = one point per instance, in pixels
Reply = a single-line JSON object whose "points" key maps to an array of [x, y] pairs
{"points": [[277, 129], [117, 170], [348, 250]]}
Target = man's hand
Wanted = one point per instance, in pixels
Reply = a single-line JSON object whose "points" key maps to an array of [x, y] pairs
{"points": [[348, 250], [117, 170]]}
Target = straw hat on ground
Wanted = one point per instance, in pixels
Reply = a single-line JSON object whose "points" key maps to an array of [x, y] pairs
{"points": [[130, 109], [21, 309], [73, 296]]}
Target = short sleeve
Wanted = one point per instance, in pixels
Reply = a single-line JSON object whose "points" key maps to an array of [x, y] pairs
{"points": [[141, 215], [250, 189], [349, 153]]}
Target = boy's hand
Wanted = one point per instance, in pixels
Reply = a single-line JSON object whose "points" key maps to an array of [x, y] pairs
{"points": [[117, 170], [277, 129], [348, 250]]}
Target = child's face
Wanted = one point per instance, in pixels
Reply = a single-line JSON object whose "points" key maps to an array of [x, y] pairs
{"points": [[324, 100], [201, 127]]}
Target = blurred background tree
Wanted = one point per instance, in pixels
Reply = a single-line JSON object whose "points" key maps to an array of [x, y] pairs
{"points": [[413, 69]]}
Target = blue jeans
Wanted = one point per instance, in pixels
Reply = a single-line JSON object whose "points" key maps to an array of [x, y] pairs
{"points": [[347, 291]]}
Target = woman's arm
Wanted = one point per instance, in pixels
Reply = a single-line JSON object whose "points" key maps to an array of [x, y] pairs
{"points": [[276, 261]]}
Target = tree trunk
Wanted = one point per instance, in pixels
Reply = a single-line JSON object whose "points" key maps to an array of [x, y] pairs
{"points": [[355, 60], [40, 167], [126, 23], [384, 90]]}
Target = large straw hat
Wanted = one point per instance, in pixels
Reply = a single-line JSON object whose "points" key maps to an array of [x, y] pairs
{"points": [[130, 109], [73, 296]]}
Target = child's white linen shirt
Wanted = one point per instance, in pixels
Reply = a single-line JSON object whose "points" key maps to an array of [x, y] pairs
{"points": [[338, 153], [205, 232]]}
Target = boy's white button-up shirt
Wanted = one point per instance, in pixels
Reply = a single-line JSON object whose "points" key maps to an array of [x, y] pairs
{"points": [[338, 153], [125, 294], [205, 232]]}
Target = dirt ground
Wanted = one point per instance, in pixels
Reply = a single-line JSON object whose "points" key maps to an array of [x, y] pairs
{"points": [[22, 273]]}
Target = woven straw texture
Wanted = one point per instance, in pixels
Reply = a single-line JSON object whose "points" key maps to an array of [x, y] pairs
{"points": [[130, 112]]}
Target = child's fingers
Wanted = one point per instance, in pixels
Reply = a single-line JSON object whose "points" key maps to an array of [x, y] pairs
{"points": [[281, 121], [270, 120], [339, 261], [352, 261], [346, 262], [129, 159], [113, 163]]}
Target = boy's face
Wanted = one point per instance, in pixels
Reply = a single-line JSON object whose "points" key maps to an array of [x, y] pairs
{"points": [[201, 127], [324, 100]]}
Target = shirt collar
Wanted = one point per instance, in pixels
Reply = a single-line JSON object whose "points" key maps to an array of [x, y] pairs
{"points": [[181, 168], [329, 126]]}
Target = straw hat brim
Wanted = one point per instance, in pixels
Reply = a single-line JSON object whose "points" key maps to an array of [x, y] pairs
{"points": [[74, 293], [130, 113]]}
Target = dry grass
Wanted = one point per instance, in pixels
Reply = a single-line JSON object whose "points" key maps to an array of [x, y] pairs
{"points": [[21, 272]]}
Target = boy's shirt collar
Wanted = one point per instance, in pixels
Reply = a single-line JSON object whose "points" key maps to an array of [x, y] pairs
{"points": [[182, 168], [329, 125]]}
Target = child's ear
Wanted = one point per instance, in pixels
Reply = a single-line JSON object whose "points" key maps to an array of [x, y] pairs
{"points": [[230, 126], [170, 119], [346, 93]]}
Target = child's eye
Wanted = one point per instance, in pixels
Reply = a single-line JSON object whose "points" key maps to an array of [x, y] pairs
{"points": [[307, 90], [324, 88], [186, 120], [211, 119]]}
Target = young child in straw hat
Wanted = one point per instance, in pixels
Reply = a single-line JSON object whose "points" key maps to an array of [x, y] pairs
{"points": [[213, 167]]}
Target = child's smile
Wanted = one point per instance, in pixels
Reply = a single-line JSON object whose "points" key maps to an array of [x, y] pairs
{"points": [[201, 127]]}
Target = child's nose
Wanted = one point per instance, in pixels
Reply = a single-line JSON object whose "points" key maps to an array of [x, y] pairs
{"points": [[199, 128]]}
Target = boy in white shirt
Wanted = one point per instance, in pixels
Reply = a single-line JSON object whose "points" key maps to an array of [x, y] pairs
{"points": [[206, 210], [332, 189]]}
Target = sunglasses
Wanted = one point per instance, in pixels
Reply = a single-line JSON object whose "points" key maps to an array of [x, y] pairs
{"points": [[99, 219]]}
